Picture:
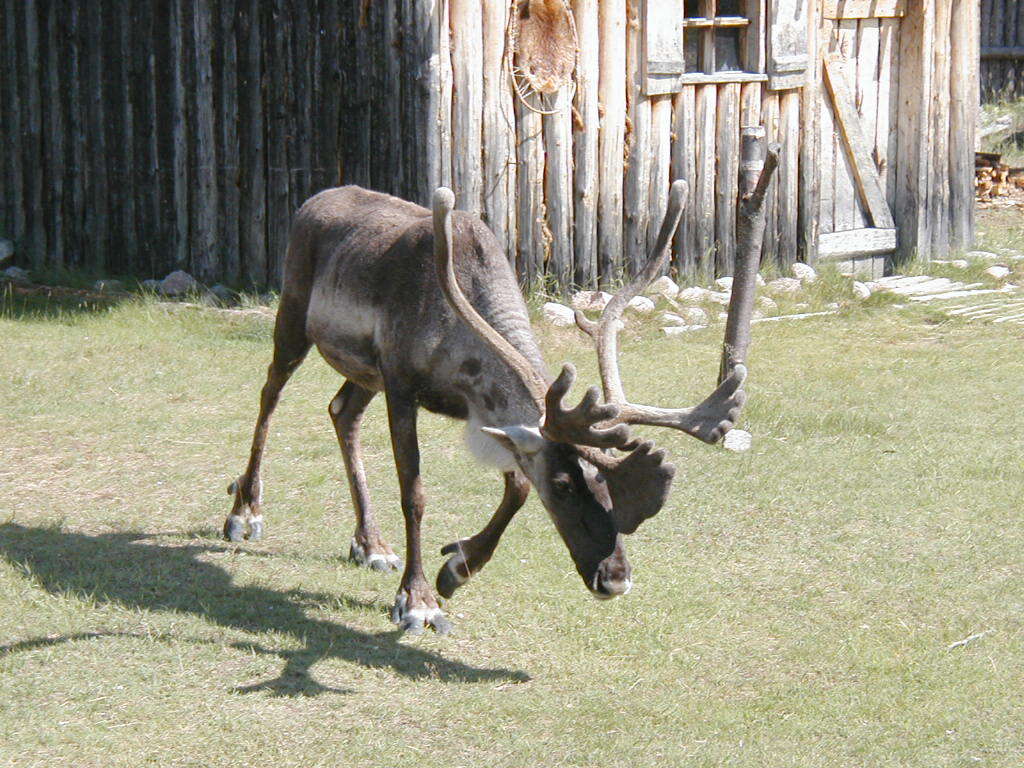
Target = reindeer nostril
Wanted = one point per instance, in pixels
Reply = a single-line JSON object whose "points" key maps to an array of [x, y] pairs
{"points": [[606, 589]]}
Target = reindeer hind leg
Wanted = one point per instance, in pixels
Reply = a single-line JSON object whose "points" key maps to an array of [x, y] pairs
{"points": [[368, 547]]}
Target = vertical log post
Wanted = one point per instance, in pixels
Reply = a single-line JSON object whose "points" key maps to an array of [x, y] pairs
{"points": [[612, 90], [750, 223], [467, 105], [585, 143]]}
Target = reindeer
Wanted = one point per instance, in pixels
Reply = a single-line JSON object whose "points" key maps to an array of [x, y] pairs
{"points": [[423, 306]]}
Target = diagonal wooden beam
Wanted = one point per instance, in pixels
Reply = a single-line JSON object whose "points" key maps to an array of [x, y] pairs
{"points": [[864, 171]]}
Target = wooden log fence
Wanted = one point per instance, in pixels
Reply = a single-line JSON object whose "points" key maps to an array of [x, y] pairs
{"points": [[1002, 50], [143, 136]]}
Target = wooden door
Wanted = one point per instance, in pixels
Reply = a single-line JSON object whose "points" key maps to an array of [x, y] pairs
{"points": [[858, 102]]}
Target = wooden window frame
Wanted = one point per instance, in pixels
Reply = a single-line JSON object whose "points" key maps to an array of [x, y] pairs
{"points": [[661, 77]]}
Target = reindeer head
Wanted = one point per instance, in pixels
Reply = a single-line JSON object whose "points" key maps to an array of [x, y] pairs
{"points": [[595, 481]]}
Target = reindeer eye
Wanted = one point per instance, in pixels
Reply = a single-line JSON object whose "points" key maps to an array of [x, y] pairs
{"points": [[562, 482]]}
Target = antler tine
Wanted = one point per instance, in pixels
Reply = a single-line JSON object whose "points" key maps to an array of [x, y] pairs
{"points": [[605, 332], [443, 204], [578, 425]]}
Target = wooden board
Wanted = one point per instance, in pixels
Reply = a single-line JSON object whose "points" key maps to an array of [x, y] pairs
{"points": [[863, 9], [467, 103], [865, 173], [684, 159], [855, 242], [612, 89], [585, 143]]}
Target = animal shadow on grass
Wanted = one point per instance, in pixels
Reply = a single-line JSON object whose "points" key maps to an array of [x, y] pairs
{"points": [[126, 569]]}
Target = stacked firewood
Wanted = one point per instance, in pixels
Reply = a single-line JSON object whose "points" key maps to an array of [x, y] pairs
{"points": [[994, 178]]}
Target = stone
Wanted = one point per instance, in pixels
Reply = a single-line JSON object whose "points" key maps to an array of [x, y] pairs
{"points": [[766, 304], [832, 305], [558, 314], [6, 250], [803, 272], [676, 330], [223, 293], [17, 275], [108, 286], [784, 285], [694, 316], [737, 440], [861, 290], [594, 301], [998, 271], [687, 316], [719, 297], [724, 283], [693, 294], [641, 304], [151, 285], [759, 280], [178, 283], [663, 286], [982, 255], [959, 263]]}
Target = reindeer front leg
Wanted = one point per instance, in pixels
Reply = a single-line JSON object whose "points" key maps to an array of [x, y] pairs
{"points": [[468, 556], [415, 605]]}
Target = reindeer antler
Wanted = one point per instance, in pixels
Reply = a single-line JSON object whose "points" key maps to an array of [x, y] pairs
{"points": [[576, 425], [716, 415]]}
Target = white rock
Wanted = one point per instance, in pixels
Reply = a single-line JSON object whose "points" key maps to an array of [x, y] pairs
{"points": [[766, 304], [641, 304], [759, 280], [832, 305], [558, 314], [594, 301], [959, 263], [676, 330], [178, 283], [861, 290], [784, 285], [108, 286], [983, 255], [672, 319], [803, 272], [723, 315], [694, 315], [663, 286], [693, 294], [719, 297], [6, 250], [737, 440], [998, 271], [724, 283]]}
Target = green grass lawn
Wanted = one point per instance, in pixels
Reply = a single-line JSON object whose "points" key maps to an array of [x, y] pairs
{"points": [[794, 605]]}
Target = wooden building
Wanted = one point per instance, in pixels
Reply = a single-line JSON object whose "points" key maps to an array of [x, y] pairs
{"points": [[183, 133]]}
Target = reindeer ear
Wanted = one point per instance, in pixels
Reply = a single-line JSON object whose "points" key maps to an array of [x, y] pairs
{"points": [[638, 484], [525, 440]]}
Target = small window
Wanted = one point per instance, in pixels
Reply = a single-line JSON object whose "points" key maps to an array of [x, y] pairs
{"points": [[703, 41]]}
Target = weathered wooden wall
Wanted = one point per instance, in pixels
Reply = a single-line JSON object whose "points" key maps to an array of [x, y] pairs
{"points": [[141, 136], [1002, 49]]}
